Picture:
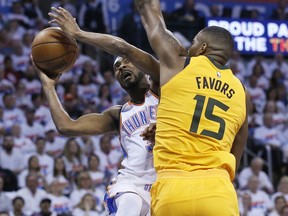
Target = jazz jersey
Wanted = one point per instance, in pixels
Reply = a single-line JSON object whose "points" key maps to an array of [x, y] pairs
{"points": [[201, 110]]}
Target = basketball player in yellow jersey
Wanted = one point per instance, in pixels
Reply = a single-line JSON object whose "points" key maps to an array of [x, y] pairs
{"points": [[201, 121]]}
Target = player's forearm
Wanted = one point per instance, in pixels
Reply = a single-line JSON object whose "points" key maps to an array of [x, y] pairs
{"points": [[60, 117], [109, 43]]}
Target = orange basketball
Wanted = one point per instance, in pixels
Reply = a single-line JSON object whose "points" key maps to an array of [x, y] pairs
{"points": [[54, 52]]}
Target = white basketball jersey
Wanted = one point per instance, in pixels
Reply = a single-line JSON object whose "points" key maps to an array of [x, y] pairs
{"points": [[138, 157]]}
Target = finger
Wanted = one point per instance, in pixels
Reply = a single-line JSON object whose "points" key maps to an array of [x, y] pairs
{"points": [[58, 14], [65, 13], [53, 21]]}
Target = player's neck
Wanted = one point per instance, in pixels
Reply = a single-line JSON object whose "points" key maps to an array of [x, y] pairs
{"points": [[138, 96]]}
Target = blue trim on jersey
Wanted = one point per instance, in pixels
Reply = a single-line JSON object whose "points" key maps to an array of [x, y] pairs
{"points": [[110, 204]]}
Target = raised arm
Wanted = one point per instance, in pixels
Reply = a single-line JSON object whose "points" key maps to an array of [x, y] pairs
{"points": [[109, 43], [168, 49], [90, 124]]}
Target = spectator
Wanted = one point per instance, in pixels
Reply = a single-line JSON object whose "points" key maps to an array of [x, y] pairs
{"points": [[31, 194], [97, 176], [280, 12], [259, 59], [32, 11], [255, 169], [23, 100], [46, 162], [9, 70], [279, 118], [245, 206], [284, 211], [282, 188], [20, 60], [186, 12], [60, 175], [268, 136], [54, 144], [59, 203], [5, 203], [22, 143], [131, 22], [72, 105], [12, 114], [18, 204], [27, 41], [215, 11], [31, 82], [88, 144], [238, 63], [31, 129], [10, 158], [258, 71], [257, 94], [279, 203], [91, 16], [87, 206], [85, 185], [116, 90], [278, 63], [6, 86], [45, 206], [109, 157], [105, 97], [10, 180], [260, 201], [87, 89], [33, 168], [73, 158], [42, 112]]}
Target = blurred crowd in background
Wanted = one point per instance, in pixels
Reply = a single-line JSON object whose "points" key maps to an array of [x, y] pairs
{"points": [[44, 173]]}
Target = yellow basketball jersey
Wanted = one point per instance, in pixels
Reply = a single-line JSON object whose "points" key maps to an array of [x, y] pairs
{"points": [[201, 110]]}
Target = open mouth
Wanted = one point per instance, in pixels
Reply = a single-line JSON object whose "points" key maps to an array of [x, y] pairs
{"points": [[126, 75]]}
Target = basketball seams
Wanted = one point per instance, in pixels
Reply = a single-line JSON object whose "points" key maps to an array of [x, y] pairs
{"points": [[56, 42], [46, 42], [68, 53]]}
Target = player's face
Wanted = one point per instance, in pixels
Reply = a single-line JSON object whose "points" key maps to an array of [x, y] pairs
{"points": [[195, 49], [126, 73]]}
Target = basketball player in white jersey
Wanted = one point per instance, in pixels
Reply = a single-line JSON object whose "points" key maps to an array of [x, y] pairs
{"points": [[129, 194]]}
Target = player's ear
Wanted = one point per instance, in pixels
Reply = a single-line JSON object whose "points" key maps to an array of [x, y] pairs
{"points": [[202, 49]]}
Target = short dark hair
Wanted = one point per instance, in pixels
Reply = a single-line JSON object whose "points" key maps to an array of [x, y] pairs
{"points": [[221, 36], [18, 198]]}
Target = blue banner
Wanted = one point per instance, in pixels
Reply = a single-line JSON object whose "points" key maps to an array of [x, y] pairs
{"points": [[251, 37], [116, 9]]}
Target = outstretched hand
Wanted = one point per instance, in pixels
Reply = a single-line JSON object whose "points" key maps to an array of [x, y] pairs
{"points": [[43, 77], [65, 20], [149, 133]]}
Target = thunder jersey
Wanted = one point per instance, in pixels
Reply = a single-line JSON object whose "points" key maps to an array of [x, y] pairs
{"points": [[200, 111], [138, 158]]}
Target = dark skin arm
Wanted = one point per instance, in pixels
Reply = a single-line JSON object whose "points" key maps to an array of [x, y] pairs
{"points": [[240, 140], [109, 43], [90, 124], [169, 50]]}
